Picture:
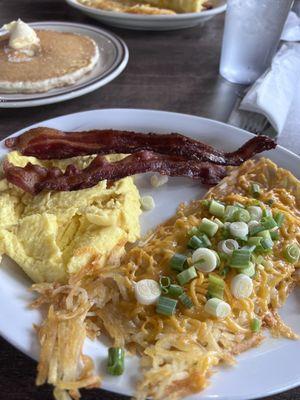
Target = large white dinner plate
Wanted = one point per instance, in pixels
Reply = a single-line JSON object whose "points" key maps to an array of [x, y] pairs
{"points": [[113, 60], [151, 22], [271, 368]]}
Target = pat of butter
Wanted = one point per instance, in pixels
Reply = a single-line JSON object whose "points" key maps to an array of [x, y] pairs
{"points": [[22, 37], [147, 203]]}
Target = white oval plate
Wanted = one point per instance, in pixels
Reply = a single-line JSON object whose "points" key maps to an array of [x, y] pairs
{"points": [[150, 22], [271, 368], [113, 60]]}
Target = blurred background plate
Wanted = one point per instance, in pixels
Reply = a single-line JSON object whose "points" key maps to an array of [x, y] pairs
{"points": [[113, 60], [151, 22]]}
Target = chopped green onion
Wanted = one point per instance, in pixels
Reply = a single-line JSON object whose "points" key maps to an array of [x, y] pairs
{"points": [[175, 290], [267, 244], [240, 259], [242, 215], [292, 253], [255, 213], [255, 190], [219, 223], [215, 286], [166, 306], [187, 275], [177, 261], [269, 223], [195, 242], [256, 229], [265, 234], [209, 227], [279, 218], [186, 301], [250, 271], [227, 246], [218, 308], [217, 209], [254, 241], [255, 325], [193, 231], [239, 230], [164, 282], [205, 203], [250, 248], [275, 235], [205, 240], [230, 213], [115, 362], [267, 212]]}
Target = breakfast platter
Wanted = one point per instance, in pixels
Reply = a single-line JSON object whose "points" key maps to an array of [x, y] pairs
{"points": [[155, 22], [34, 180], [110, 59]]}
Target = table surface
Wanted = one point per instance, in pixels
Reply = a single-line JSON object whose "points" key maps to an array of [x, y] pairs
{"points": [[174, 71]]}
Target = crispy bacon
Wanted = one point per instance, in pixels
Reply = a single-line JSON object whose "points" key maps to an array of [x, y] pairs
{"points": [[34, 178], [46, 143]]}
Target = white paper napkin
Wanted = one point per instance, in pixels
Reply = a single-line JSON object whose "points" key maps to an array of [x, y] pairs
{"points": [[291, 30], [274, 93]]}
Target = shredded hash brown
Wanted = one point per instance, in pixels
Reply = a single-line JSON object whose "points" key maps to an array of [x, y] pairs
{"points": [[178, 353]]}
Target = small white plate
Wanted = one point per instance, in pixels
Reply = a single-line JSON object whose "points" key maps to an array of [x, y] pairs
{"points": [[113, 60], [271, 368], [151, 22]]}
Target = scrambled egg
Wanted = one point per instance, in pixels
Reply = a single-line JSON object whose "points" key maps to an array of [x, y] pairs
{"points": [[54, 234]]}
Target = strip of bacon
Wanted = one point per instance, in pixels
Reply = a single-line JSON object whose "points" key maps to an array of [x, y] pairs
{"points": [[34, 178], [47, 143]]}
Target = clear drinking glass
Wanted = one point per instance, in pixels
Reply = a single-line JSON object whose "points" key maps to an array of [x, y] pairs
{"points": [[251, 36]]}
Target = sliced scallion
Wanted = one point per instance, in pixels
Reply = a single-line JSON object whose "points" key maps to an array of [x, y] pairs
{"points": [[292, 253], [219, 223], [267, 212], [208, 227], [275, 235], [230, 212], [255, 325], [254, 241], [256, 229], [166, 306], [164, 282], [255, 213], [279, 218], [240, 259], [186, 301], [217, 209], [250, 271], [255, 190], [268, 223], [115, 362], [223, 272], [177, 262], [187, 275], [215, 286], [196, 242], [267, 244], [175, 290], [193, 231], [242, 215], [264, 234]]}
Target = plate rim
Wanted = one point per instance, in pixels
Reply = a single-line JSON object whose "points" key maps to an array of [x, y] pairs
{"points": [[71, 91], [172, 114], [145, 17]]}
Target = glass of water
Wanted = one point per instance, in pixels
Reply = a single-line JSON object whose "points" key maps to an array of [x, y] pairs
{"points": [[251, 37]]}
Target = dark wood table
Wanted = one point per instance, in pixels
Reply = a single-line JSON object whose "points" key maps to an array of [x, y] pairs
{"points": [[175, 71]]}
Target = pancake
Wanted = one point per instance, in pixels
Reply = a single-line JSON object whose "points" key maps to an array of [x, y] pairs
{"points": [[63, 59]]}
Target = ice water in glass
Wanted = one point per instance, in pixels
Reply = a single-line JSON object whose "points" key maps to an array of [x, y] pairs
{"points": [[251, 36]]}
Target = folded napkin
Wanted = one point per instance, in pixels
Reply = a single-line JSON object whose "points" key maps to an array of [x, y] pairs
{"points": [[291, 30], [274, 93]]}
